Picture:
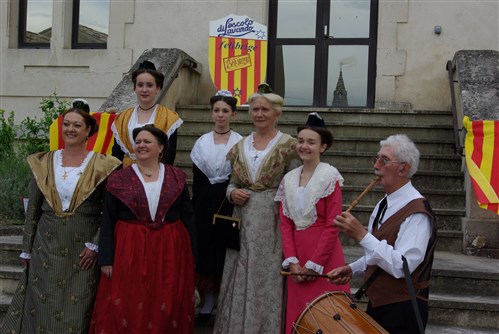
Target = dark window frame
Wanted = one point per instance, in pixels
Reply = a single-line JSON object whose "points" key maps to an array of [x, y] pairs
{"points": [[75, 24], [21, 38], [320, 75]]}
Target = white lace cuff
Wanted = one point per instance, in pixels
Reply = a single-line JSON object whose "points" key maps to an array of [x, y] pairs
{"points": [[288, 261], [92, 247], [315, 267], [25, 256]]}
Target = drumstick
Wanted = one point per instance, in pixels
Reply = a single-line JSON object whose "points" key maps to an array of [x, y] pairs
{"points": [[287, 273], [368, 188]]}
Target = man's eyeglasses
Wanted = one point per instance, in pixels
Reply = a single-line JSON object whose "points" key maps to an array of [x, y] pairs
{"points": [[385, 161]]}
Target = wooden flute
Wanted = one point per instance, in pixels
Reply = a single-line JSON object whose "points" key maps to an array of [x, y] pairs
{"points": [[368, 188]]}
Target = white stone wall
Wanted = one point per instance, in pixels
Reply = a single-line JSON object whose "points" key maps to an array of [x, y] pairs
{"points": [[410, 66], [466, 25]]}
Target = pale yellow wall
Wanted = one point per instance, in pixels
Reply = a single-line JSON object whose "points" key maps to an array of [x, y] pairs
{"points": [[412, 58], [466, 25], [28, 75], [184, 25], [410, 68]]}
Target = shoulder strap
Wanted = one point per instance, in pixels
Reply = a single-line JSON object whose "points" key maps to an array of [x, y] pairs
{"points": [[412, 292]]}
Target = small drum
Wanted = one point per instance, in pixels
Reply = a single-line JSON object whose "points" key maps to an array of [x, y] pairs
{"points": [[334, 312]]}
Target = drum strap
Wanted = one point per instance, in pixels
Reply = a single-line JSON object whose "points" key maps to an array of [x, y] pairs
{"points": [[410, 286], [362, 290]]}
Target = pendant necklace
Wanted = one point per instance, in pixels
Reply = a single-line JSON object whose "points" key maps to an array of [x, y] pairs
{"points": [[66, 174], [70, 169], [146, 174], [255, 153]]}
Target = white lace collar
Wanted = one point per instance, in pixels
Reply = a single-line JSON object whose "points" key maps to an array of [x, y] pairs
{"points": [[210, 157], [321, 184]]}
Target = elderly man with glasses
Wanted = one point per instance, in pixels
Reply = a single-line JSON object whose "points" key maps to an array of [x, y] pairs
{"points": [[401, 233]]}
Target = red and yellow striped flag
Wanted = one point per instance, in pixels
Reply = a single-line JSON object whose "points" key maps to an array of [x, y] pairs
{"points": [[237, 55], [482, 158], [100, 142]]}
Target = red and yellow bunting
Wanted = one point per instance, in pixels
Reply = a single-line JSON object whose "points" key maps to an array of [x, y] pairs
{"points": [[100, 142], [482, 158]]}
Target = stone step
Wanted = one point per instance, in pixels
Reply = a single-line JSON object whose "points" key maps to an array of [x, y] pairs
{"points": [[445, 199], [463, 293], [373, 130], [452, 329], [353, 145], [472, 311], [5, 300], [299, 115], [358, 176], [471, 276], [9, 277], [447, 240], [10, 247], [453, 273], [464, 289], [10, 229], [426, 128], [371, 144], [345, 159], [432, 328], [463, 311], [422, 180]]}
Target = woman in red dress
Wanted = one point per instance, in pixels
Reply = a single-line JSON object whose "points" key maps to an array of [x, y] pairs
{"points": [[145, 252], [310, 197]]}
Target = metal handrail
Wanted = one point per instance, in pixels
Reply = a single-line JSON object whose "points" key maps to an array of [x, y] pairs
{"points": [[451, 68]]}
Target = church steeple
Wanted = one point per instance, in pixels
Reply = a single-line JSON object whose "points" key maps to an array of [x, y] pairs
{"points": [[340, 98]]}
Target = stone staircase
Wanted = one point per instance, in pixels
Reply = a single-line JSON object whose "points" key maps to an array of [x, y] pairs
{"points": [[465, 289], [356, 140]]}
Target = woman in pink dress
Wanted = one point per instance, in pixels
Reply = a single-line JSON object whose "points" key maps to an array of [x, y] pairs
{"points": [[310, 197]]}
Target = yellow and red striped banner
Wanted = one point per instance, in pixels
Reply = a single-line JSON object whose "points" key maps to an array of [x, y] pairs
{"points": [[238, 55], [100, 142], [482, 159]]}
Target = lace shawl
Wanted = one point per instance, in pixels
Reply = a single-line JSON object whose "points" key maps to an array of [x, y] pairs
{"points": [[321, 184]]}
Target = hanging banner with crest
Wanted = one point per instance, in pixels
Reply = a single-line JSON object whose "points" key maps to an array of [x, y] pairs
{"points": [[238, 55]]}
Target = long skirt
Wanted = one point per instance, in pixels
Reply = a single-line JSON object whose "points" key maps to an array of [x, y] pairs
{"points": [[54, 294], [250, 299], [152, 285]]}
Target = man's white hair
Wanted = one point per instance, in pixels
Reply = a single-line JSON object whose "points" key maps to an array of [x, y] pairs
{"points": [[405, 151]]}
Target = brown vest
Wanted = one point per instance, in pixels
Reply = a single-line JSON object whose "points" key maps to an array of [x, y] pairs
{"points": [[387, 289]]}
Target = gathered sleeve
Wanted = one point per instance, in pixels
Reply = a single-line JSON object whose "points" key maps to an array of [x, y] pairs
{"points": [[110, 216], [288, 239], [330, 236], [33, 214]]}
